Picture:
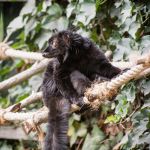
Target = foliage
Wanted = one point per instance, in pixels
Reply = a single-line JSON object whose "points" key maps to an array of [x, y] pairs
{"points": [[120, 26], [1, 25]]}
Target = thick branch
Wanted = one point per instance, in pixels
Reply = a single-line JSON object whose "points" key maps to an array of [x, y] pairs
{"points": [[27, 101], [37, 116], [6, 52], [23, 75]]}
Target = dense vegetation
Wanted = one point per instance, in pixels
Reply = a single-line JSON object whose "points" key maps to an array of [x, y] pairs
{"points": [[122, 26]]}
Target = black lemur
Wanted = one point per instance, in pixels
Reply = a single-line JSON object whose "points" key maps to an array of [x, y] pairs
{"points": [[70, 52]]}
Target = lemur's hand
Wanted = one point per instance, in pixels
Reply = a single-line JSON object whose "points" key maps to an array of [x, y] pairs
{"points": [[80, 102]]}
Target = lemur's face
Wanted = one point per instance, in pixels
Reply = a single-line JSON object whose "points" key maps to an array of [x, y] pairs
{"points": [[57, 45]]}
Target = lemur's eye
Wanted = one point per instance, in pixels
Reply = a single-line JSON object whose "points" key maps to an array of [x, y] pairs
{"points": [[53, 43]]}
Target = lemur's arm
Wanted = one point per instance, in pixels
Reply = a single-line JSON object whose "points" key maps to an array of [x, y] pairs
{"points": [[106, 69], [102, 66]]}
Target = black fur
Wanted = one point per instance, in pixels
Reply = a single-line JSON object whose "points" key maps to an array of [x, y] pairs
{"points": [[56, 138], [72, 52]]}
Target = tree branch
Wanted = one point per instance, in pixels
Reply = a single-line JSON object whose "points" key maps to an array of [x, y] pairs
{"points": [[34, 97], [6, 52], [36, 68]]}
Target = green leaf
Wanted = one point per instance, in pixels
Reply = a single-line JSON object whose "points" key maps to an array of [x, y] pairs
{"points": [[76, 129], [99, 3], [55, 10], [82, 131], [92, 141], [140, 133], [59, 24], [30, 25], [104, 147], [21, 97], [118, 3], [76, 117], [62, 23], [4, 102], [133, 29], [126, 10], [70, 8], [126, 25], [123, 104], [19, 92], [6, 147], [124, 139], [87, 13], [123, 48], [14, 25], [112, 119], [114, 39], [1, 26], [4, 70], [125, 14], [45, 5], [145, 44], [72, 134], [17, 64], [145, 138], [129, 91], [146, 87], [146, 104], [28, 8], [43, 38]]}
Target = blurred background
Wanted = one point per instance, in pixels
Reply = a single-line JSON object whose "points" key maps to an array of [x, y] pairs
{"points": [[119, 26]]}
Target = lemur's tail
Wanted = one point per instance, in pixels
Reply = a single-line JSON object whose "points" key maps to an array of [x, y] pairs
{"points": [[56, 137]]}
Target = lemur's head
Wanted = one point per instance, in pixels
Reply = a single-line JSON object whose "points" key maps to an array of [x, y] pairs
{"points": [[61, 44]]}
